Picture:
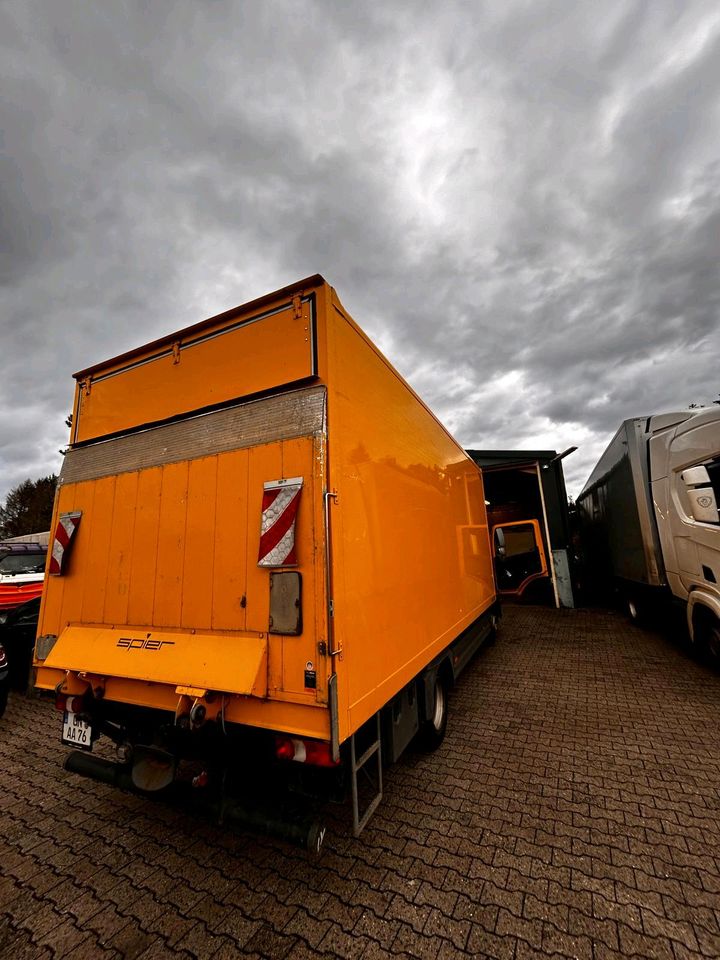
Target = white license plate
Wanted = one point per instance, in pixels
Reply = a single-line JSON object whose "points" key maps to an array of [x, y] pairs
{"points": [[76, 732]]}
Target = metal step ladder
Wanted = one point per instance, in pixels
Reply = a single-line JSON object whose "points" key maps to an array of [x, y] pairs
{"points": [[359, 765]]}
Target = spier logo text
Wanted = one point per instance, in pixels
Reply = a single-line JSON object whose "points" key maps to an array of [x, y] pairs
{"points": [[137, 643]]}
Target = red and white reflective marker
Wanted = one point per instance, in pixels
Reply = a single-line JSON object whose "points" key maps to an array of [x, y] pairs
{"points": [[277, 529], [67, 525]]}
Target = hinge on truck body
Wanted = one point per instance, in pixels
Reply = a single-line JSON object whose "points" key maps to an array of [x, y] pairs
{"points": [[297, 307]]}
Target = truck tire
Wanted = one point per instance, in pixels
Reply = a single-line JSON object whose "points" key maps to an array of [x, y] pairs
{"points": [[710, 640], [636, 610], [4, 690], [432, 731], [315, 839]]}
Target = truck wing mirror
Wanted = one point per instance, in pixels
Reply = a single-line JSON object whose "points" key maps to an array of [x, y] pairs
{"points": [[701, 493], [695, 476]]}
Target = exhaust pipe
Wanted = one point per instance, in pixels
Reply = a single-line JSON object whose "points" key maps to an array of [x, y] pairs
{"points": [[304, 832], [97, 768], [301, 831]]}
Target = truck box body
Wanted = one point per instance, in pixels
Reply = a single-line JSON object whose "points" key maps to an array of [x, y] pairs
{"points": [[618, 511], [161, 599], [649, 511]]}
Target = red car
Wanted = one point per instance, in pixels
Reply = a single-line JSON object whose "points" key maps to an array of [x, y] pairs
{"points": [[22, 573]]}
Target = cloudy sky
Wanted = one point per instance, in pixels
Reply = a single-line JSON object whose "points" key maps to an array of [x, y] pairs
{"points": [[519, 201]]}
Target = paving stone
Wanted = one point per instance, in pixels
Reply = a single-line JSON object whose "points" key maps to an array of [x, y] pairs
{"points": [[408, 943], [571, 811]]}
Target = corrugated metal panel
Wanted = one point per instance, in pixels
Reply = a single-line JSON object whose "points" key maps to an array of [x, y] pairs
{"points": [[284, 417]]}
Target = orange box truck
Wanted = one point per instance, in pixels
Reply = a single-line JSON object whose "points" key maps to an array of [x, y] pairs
{"points": [[270, 562]]}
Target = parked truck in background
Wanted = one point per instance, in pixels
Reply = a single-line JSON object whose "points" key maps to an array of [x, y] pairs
{"points": [[270, 563], [650, 521]]}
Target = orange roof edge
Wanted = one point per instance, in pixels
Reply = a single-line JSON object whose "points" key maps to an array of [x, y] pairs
{"points": [[314, 281]]}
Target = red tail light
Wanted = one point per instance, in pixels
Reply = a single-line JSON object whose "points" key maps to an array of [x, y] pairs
{"points": [[316, 752], [72, 704], [285, 748]]}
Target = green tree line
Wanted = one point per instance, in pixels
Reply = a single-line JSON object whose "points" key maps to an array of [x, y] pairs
{"points": [[28, 507]]}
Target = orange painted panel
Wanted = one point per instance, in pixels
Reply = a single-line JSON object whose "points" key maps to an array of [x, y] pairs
{"points": [[93, 550], [198, 572], [120, 549], [257, 356], [411, 552], [171, 545], [143, 571], [207, 661], [230, 560]]}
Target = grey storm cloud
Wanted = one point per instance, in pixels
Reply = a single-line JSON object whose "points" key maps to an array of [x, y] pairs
{"points": [[519, 202]]}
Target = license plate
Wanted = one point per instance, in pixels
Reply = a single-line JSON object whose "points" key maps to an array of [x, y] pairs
{"points": [[76, 732]]}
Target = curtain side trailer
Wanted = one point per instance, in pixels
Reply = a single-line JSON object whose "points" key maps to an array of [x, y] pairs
{"points": [[270, 562], [650, 520]]}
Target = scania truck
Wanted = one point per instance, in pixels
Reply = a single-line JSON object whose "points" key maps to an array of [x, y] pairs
{"points": [[270, 563], [650, 521]]}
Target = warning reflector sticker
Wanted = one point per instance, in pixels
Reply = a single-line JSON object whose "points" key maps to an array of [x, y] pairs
{"points": [[277, 529], [64, 533]]}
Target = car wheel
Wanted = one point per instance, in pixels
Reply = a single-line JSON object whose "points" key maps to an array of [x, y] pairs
{"points": [[432, 732]]}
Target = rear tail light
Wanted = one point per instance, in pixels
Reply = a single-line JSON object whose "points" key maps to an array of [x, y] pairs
{"points": [[71, 704], [316, 752]]}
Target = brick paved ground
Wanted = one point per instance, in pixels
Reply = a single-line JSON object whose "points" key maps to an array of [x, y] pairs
{"points": [[574, 810]]}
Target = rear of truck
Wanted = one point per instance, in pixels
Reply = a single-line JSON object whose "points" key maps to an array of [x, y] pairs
{"points": [[186, 603], [266, 549]]}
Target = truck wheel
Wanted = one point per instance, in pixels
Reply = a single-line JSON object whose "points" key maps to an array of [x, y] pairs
{"points": [[711, 641], [432, 732], [635, 611], [315, 839], [4, 689]]}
